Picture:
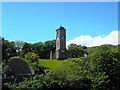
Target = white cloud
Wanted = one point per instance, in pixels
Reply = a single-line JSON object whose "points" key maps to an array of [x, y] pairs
{"points": [[87, 40]]}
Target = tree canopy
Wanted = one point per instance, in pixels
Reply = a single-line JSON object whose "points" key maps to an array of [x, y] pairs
{"points": [[99, 70]]}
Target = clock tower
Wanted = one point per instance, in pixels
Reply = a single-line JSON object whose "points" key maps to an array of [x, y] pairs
{"points": [[61, 43]]}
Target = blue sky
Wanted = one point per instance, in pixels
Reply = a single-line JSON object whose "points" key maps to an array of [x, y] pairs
{"points": [[38, 21]]}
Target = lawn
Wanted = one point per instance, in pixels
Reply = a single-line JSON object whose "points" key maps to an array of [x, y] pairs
{"points": [[52, 64], [56, 64]]}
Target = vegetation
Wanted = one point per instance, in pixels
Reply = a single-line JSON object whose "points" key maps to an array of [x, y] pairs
{"points": [[31, 56], [77, 50], [100, 70], [52, 64]]}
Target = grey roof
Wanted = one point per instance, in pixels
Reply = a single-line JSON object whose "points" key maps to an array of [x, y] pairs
{"points": [[61, 28], [18, 66]]}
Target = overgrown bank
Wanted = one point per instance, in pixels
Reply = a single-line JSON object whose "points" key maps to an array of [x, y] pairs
{"points": [[99, 70]]}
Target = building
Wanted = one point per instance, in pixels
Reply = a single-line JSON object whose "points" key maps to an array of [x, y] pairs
{"points": [[60, 52]]}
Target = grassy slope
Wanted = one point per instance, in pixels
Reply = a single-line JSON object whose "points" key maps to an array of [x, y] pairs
{"points": [[52, 64], [55, 64]]}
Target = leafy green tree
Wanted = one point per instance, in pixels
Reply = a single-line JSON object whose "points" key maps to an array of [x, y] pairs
{"points": [[77, 50], [31, 56], [8, 50], [48, 46], [25, 49], [41, 49], [18, 45], [70, 77], [38, 48], [32, 59], [106, 61]]}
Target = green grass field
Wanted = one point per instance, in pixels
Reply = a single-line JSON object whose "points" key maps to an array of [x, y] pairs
{"points": [[55, 64], [52, 64]]}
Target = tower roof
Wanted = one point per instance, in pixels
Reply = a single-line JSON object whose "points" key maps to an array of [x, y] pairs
{"points": [[61, 28]]}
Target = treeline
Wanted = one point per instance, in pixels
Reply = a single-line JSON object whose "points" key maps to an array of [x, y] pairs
{"points": [[42, 49], [20, 48], [100, 70]]}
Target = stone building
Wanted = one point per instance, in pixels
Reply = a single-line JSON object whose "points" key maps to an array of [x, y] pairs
{"points": [[60, 52]]}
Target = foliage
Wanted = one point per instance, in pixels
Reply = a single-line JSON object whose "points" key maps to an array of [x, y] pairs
{"points": [[31, 83], [40, 48], [18, 45], [77, 50], [52, 64], [100, 70], [48, 46], [31, 56], [106, 61], [8, 50], [32, 59], [26, 48], [69, 76]]}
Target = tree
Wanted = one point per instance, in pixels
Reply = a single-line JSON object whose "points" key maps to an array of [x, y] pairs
{"points": [[26, 48], [105, 60], [18, 45], [76, 50], [31, 56], [40, 48], [49, 45], [8, 50]]}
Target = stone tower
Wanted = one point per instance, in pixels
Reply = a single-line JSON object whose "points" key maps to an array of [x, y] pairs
{"points": [[61, 43]]}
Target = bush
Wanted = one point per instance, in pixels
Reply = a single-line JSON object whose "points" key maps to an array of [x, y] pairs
{"points": [[105, 68], [32, 83], [68, 76], [31, 56], [99, 71]]}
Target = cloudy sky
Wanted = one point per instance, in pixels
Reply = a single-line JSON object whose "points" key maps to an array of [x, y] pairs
{"points": [[87, 23], [87, 40]]}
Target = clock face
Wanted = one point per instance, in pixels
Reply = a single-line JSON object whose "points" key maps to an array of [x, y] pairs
{"points": [[58, 38]]}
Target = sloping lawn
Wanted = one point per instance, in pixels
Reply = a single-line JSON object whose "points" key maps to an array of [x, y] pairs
{"points": [[56, 64], [52, 64]]}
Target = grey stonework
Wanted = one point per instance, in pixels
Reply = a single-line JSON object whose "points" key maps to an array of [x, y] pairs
{"points": [[60, 52]]}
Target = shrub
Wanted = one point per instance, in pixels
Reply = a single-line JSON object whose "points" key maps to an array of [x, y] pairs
{"points": [[68, 76], [32, 83], [105, 68], [31, 56]]}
